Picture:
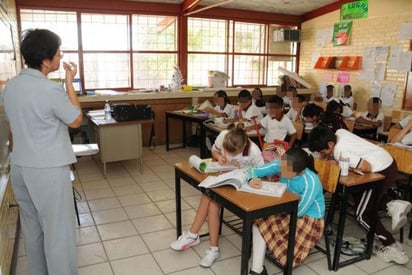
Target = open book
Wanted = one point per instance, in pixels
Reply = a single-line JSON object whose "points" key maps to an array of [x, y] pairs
{"points": [[208, 166], [237, 178]]}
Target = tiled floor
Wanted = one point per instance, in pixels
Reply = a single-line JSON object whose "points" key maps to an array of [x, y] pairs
{"points": [[128, 222]]}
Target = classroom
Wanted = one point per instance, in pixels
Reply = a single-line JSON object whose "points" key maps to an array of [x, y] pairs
{"points": [[158, 82]]}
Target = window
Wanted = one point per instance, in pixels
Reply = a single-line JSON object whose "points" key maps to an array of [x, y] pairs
{"points": [[62, 23], [130, 51], [154, 50], [113, 56], [237, 48]]}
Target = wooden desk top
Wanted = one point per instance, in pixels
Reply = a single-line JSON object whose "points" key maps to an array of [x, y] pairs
{"points": [[402, 156], [198, 116], [246, 201], [354, 179]]}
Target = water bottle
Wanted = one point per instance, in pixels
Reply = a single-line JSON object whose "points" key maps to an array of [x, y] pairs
{"points": [[107, 111]]}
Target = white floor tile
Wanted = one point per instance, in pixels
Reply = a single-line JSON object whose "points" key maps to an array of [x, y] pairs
{"points": [[103, 204], [116, 230], [152, 224], [91, 254], [142, 210], [125, 247], [144, 264], [97, 269], [109, 216]]}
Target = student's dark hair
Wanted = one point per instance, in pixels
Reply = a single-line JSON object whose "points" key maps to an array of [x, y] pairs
{"points": [[312, 110], [301, 98], [376, 100], [334, 106], [223, 94], [259, 102], [245, 94], [347, 87], [300, 160], [319, 138], [277, 100], [236, 139], [330, 86], [38, 45]]}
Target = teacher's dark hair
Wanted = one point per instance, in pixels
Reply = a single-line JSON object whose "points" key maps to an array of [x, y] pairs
{"points": [[38, 45]]}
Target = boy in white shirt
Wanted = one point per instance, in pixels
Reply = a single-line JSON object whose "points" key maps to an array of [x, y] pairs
{"points": [[367, 157], [373, 116], [276, 124], [246, 109], [329, 93]]}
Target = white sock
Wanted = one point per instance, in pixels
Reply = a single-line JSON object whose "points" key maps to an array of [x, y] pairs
{"points": [[192, 235], [258, 250], [214, 248]]}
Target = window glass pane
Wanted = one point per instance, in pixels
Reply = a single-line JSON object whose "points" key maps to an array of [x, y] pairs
{"points": [[105, 32], [151, 33], [62, 23], [206, 35], [153, 70], [249, 38], [199, 65], [106, 70], [274, 63], [249, 69]]}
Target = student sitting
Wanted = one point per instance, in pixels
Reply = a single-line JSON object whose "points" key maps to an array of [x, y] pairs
{"points": [[276, 124], [332, 118], [258, 100], [367, 157], [222, 108], [231, 147], [296, 169], [311, 114], [347, 99], [246, 110], [405, 135], [373, 116], [294, 113], [329, 93]]}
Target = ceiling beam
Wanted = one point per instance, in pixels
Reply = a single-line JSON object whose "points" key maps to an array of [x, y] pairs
{"points": [[189, 4], [207, 7]]}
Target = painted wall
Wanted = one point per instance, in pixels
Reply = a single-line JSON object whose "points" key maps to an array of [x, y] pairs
{"points": [[381, 28]]}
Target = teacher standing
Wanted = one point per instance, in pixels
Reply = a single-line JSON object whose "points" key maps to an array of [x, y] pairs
{"points": [[40, 112]]}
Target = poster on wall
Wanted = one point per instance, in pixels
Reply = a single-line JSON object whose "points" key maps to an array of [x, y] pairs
{"points": [[354, 10], [341, 33]]}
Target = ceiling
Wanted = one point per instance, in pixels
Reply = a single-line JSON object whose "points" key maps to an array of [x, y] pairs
{"points": [[293, 7]]}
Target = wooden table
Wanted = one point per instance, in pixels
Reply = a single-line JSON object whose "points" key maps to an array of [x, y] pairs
{"points": [[245, 205], [117, 140], [353, 182], [198, 118]]}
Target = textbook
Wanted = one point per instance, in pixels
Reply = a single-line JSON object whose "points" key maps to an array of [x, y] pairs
{"points": [[237, 178], [206, 166]]}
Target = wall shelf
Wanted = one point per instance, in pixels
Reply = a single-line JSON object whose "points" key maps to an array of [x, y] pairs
{"points": [[348, 63]]}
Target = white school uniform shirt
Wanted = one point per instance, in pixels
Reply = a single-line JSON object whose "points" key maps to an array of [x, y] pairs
{"points": [[326, 100], [251, 112], [407, 139], [262, 109], [228, 110], [348, 100], [379, 117], [254, 157], [287, 100], [355, 148], [276, 129]]}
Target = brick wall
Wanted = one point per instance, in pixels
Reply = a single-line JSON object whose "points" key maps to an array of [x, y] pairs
{"points": [[381, 28]]}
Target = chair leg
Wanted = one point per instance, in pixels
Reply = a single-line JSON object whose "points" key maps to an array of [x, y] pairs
{"points": [[75, 207]]}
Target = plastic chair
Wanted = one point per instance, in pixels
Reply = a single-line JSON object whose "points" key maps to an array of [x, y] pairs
{"points": [[79, 151]]}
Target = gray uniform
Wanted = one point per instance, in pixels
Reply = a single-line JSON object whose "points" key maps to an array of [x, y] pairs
{"points": [[39, 111]]}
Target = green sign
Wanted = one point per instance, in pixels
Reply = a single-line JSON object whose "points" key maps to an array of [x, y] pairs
{"points": [[341, 33], [354, 10]]}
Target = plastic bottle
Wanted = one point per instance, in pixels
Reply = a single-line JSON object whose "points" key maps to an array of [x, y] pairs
{"points": [[107, 111]]}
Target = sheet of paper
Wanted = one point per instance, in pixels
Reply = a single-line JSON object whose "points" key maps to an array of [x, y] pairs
{"points": [[368, 59], [380, 70], [405, 31], [388, 93], [406, 61], [395, 58]]}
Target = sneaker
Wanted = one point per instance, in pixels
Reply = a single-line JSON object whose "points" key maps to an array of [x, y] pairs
{"points": [[263, 272], [184, 242], [398, 210], [210, 258], [391, 254]]}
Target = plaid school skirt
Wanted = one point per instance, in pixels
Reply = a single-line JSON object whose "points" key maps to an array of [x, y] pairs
{"points": [[275, 232]]}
